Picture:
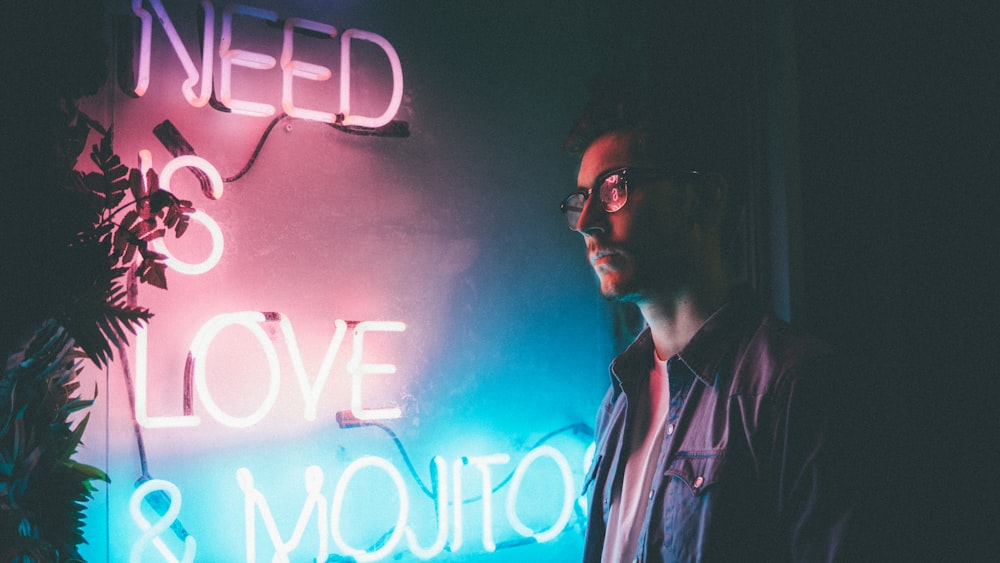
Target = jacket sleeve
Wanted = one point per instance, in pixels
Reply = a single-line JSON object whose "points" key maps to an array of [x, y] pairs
{"points": [[594, 483], [820, 454]]}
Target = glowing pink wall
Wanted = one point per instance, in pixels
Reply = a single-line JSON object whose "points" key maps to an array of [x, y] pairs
{"points": [[452, 231]]}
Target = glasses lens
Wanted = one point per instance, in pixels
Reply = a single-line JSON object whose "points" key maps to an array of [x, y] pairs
{"points": [[572, 207], [614, 192]]}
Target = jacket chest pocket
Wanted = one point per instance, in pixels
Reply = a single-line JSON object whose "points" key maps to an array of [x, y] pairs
{"points": [[691, 481], [697, 470]]}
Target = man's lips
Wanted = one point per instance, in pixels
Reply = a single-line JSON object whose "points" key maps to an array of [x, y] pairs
{"points": [[604, 255]]}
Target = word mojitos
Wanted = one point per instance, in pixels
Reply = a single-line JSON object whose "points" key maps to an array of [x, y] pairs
{"points": [[322, 518]]}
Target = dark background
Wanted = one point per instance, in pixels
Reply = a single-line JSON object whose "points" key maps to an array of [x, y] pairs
{"points": [[895, 109], [898, 129]]}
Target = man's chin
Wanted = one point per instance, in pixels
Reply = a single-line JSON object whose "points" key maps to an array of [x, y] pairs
{"points": [[615, 290]]}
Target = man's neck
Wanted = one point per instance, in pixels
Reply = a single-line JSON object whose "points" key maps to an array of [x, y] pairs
{"points": [[674, 321]]}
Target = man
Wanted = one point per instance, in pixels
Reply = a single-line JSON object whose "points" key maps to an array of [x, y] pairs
{"points": [[722, 436]]}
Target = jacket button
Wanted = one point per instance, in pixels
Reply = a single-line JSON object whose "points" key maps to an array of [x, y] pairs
{"points": [[670, 429], [698, 482]]}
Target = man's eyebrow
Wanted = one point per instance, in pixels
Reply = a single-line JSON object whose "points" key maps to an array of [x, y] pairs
{"points": [[597, 177]]}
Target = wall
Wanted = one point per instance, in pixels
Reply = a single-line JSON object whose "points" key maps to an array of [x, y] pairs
{"points": [[494, 354]]}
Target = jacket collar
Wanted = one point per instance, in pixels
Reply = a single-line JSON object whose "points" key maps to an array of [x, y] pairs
{"points": [[702, 355]]}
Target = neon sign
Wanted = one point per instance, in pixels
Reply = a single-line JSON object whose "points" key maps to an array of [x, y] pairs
{"points": [[447, 488], [251, 321], [291, 68], [329, 515], [252, 497], [151, 532]]}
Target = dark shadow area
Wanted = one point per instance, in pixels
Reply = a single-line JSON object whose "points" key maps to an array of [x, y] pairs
{"points": [[898, 121], [897, 126]]}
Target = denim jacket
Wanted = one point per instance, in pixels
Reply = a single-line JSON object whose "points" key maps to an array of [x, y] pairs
{"points": [[754, 463]]}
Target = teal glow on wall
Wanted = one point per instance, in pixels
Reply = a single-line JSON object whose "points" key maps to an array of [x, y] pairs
{"points": [[379, 341]]}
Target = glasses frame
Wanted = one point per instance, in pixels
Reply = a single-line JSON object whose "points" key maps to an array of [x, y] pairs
{"points": [[626, 173]]}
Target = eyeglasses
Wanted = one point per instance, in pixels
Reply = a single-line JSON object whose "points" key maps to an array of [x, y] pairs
{"points": [[612, 191]]}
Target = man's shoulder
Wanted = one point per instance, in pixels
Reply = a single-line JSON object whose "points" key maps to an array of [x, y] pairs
{"points": [[773, 353], [780, 341]]}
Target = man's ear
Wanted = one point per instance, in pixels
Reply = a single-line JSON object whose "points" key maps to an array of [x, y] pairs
{"points": [[709, 195]]}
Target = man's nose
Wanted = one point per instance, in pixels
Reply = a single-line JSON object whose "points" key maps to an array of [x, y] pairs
{"points": [[593, 218]]}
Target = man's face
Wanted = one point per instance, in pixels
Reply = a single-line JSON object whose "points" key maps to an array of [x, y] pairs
{"points": [[646, 247]]}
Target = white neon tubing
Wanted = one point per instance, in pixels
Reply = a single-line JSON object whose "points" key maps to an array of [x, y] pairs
{"points": [[151, 532], [141, 377], [338, 502], [291, 68], [205, 265], [359, 370], [456, 476], [568, 495], [145, 163], [345, 79], [315, 501], [588, 456], [198, 216], [245, 480], [247, 59], [441, 489], [199, 349], [196, 100], [311, 393], [145, 42], [483, 463], [192, 161]]}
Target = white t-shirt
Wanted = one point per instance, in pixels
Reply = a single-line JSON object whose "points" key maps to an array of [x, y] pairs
{"points": [[630, 498]]}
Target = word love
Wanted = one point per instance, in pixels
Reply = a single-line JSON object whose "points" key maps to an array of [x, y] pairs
{"points": [[311, 388], [195, 374], [291, 68]]}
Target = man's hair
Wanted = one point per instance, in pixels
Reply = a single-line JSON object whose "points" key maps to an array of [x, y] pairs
{"points": [[662, 139]]}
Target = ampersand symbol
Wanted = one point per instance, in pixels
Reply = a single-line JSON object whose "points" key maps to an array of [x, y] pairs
{"points": [[151, 532]]}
